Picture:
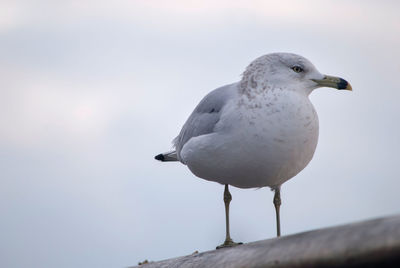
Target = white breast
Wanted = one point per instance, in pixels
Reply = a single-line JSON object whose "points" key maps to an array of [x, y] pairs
{"points": [[259, 141]]}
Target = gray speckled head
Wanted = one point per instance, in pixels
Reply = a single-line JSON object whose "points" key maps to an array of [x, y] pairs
{"points": [[280, 70]]}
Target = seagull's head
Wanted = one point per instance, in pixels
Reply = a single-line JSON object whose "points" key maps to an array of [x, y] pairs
{"points": [[288, 71]]}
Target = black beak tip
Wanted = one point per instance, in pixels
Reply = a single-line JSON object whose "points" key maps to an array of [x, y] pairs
{"points": [[342, 84]]}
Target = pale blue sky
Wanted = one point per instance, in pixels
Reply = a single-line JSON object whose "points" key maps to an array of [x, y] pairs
{"points": [[90, 91]]}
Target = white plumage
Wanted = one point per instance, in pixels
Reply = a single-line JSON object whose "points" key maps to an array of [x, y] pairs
{"points": [[260, 131]]}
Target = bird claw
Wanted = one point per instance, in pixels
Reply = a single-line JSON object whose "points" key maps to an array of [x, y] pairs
{"points": [[229, 243]]}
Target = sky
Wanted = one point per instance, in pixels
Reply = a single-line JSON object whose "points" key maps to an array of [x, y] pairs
{"points": [[90, 91]]}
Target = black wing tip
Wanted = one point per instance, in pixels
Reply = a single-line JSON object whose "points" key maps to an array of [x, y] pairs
{"points": [[159, 157]]}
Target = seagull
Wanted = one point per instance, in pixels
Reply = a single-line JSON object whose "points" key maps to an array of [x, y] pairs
{"points": [[258, 132]]}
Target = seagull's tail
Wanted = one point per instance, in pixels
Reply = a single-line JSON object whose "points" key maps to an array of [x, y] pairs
{"points": [[167, 157]]}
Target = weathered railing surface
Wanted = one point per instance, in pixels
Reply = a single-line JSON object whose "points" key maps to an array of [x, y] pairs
{"points": [[373, 243]]}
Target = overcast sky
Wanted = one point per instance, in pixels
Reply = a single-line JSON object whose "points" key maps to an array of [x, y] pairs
{"points": [[90, 91]]}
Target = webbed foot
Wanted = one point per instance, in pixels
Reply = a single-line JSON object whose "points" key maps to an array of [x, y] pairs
{"points": [[229, 243]]}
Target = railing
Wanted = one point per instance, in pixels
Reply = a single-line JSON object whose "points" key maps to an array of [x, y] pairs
{"points": [[372, 243]]}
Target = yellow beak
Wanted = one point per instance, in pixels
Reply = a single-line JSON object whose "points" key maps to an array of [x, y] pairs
{"points": [[332, 81]]}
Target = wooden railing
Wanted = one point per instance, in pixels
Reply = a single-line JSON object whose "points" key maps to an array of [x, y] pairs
{"points": [[372, 243]]}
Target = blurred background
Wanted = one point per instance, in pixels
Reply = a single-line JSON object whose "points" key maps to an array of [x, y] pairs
{"points": [[91, 90]]}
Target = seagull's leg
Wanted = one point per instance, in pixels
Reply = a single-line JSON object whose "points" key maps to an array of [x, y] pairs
{"points": [[277, 204], [228, 240]]}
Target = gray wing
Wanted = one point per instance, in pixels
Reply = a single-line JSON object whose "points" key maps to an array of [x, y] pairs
{"points": [[205, 116]]}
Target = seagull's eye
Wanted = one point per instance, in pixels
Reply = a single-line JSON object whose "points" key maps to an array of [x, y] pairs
{"points": [[297, 69]]}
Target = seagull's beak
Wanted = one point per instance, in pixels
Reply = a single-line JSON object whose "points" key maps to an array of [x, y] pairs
{"points": [[332, 81]]}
